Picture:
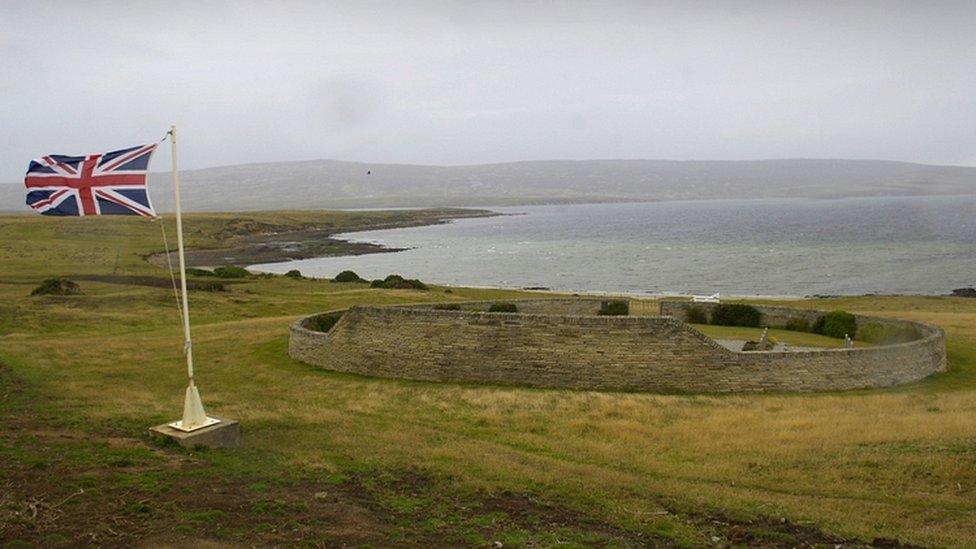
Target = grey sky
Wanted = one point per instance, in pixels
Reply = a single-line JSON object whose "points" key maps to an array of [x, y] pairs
{"points": [[453, 83]]}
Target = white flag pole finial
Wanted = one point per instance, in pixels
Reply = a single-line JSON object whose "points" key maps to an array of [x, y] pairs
{"points": [[194, 416]]}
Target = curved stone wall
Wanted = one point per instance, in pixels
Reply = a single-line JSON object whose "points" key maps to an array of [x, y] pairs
{"points": [[563, 344]]}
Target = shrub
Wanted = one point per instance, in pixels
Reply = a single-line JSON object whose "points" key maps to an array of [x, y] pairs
{"points": [[324, 323], [768, 345], [397, 282], [416, 284], [502, 308], [818, 325], [446, 307], [294, 273], [193, 271], [838, 324], [736, 314], [798, 325], [211, 286], [614, 308], [696, 315], [231, 271], [57, 286], [347, 276]]}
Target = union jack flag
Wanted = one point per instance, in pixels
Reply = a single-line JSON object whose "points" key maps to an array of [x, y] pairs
{"points": [[112, 183]]}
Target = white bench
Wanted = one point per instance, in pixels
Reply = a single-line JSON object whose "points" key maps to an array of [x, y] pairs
{"points": [[705, 298]]}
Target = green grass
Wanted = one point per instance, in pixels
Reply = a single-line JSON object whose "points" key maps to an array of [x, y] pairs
{"points": [[107, 364], [799, 339]]}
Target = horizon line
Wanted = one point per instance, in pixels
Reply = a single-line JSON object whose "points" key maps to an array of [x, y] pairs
{"points": [[573, 160]]}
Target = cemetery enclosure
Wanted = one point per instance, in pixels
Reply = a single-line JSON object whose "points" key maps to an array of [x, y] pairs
{"points": [[562, 343]]}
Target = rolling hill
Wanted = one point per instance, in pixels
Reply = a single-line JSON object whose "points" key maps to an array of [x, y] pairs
{"points": [[338, 184]]}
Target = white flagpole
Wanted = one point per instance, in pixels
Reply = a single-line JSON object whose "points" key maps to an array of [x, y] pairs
{"points": [[194, 416]]}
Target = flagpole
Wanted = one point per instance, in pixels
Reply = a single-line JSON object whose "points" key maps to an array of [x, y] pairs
{"points": [[194, 416]]}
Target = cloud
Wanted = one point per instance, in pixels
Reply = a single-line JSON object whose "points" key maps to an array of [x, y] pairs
{"points": [[348, 102], [470, 82]]}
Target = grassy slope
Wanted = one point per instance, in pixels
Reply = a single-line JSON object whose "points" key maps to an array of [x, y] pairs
{"points": [[892, 463]]}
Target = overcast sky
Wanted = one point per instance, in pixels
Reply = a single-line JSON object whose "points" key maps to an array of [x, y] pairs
{"points": [[475, 82]]}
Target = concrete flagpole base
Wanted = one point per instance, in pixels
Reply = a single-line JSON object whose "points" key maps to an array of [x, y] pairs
{"points": [[196, 428], [224, 433]]}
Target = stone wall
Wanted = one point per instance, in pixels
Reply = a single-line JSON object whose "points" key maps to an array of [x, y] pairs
{"points": [[575, 306], [574, 351]]}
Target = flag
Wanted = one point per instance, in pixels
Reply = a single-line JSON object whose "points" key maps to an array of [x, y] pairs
{"points": [[112, 183]]}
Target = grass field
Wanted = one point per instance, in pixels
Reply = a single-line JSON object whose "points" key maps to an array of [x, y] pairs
{"points": [[331, 458], [793, 338]]}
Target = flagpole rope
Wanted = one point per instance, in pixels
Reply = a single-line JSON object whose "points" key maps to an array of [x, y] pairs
{"points": [[169, 263]]}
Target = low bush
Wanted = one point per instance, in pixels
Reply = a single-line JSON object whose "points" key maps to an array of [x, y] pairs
{"points": [[736, 314], [193, 271], [210, 286], [347, 276], [764, 345], [614, 308], [837, 324], [57, 286], [294, 273], [754, 346], [397, 282], [798, 325], [696, 315], [231, 271], [446, 307], [502, 308], [818, 325], [324, 323], [415, 284]]}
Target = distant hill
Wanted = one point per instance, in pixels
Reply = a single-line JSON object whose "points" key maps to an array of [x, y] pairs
{"points": [[336, 184]]}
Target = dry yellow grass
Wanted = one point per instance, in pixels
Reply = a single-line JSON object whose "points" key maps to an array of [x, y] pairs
{"points": [[897, 463]]}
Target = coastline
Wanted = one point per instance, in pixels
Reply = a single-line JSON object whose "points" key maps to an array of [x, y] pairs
{"points": [[649, 295], [252, 247], [564, 250]]}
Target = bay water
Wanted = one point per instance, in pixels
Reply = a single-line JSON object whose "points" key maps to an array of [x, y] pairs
{"points": [[789, 247]]}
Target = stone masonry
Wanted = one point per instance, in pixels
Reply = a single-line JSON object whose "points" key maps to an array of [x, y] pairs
{"points": [[546, 347]]}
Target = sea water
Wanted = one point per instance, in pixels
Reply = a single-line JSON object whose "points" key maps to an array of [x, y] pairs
{"points": [[905, 245]]}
